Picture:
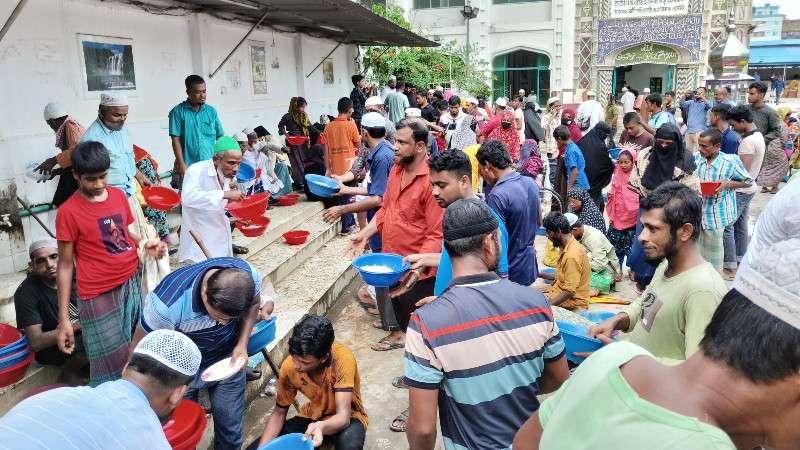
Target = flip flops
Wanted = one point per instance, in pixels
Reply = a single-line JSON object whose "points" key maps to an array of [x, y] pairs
{"points": [[403, 419]]}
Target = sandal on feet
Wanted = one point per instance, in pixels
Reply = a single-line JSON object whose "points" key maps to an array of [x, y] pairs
{"points": [[373, 311], [385, 345], [400, 423], [399, 382], [377, 324]]}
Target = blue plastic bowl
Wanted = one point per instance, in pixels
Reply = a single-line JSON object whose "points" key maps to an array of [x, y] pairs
{"points": [[14, 358], [246, 173], [395, 262], [541, 232], [614, 152], [576, 340], [597, 316], [263, 333], [322, 186], [291, 441], [551, 271], [13, 347]]}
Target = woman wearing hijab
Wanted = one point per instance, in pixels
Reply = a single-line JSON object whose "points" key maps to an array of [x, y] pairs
{"points": [[667, 160], [583, 206], [463, 136], [599, 166], [623, 207], [507, 134], [568, 120], [296, 123]]}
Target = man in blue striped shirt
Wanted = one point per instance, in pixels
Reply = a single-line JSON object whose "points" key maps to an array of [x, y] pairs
{"points": [[215, 303], [481, 353], [121, 414]]}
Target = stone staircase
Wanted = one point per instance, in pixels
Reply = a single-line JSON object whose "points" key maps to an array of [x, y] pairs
{"points": [[308, 278]]}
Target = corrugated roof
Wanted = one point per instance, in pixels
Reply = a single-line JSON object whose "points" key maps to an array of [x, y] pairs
{"points": [[775, 53], [340, 20]]}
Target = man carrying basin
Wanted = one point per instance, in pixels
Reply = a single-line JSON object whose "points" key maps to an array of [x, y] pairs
{"points": [[208, 186], [215, 303], [123, 414]]}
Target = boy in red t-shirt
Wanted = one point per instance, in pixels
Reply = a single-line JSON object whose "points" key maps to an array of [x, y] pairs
{"points": [[92, 231]]}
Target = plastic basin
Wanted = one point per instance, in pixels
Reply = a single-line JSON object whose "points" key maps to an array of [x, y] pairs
{"points": [[296, 140], [246, 173], [256, 226], [708, 188], [15, 373], [291, 441], [390, 260], [249, 208], [14, 358], [191, 442], [322, 186], [541, 231], [576, 340], [296, 237], [597, 316], [263, 333], [614, 152], [288, 200], [184, 422], [161, 198], [8, 335], [551, 271], [13, 348]]}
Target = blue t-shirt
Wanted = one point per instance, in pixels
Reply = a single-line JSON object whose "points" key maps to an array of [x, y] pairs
{"points": [[730, 142], [380, 161], [573, 158], [445, 272]]}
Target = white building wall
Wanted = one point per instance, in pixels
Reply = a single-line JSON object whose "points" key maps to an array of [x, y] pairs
{"points": [[39, 63]]}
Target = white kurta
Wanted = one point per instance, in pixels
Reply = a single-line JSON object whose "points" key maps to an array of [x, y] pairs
{"points": [[203, 211]]}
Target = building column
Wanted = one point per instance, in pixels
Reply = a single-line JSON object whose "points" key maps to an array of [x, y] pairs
{"points": [[605, 76], [686, 77]]}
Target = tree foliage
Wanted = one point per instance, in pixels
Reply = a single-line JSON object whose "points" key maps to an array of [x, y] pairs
{"points": [[426, 67]]}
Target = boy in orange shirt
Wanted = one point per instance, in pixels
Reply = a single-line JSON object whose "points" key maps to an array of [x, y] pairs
{"points": [[342, 140]]}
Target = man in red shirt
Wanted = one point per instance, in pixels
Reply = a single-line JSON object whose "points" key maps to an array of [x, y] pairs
{"points": [[92, 230], [409, 221], [342, 140]]}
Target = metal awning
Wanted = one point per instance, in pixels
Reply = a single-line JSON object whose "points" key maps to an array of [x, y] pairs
{"points": [[343, 21]]}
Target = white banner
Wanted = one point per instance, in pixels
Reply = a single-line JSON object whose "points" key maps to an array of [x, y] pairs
{"points": [[644, 8]]}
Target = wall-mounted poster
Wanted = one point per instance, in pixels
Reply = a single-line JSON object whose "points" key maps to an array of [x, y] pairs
{"points": [[258, 65], [327, 71], [107, 62]]}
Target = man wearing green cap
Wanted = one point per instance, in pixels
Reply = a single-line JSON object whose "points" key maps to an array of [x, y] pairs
{"points": [[208, 186]]}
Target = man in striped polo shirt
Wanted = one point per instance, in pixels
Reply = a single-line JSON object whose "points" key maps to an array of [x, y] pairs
{"points": [[490, 344]]}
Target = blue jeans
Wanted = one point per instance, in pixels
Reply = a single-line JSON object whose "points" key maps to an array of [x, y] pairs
{"points": [[227, 408], [735, 238]]}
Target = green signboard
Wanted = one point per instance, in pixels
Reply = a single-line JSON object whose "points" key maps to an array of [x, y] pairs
{"points": [[647, 54]]}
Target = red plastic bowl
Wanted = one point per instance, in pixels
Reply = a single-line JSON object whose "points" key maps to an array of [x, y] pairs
{"points": [[296, 237], [8, 335], [15, 373], [190, 443], [255, 227], [249, 208], [184, 422], [296, 140], [708, 188], [161, 198], [288, 200]]}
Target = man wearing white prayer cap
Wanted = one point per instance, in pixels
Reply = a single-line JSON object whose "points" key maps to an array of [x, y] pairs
{"points": [[389, 88], [375, 104], [413, 113], [123, 414], [68, 134], [739, 390], [590, 112]]}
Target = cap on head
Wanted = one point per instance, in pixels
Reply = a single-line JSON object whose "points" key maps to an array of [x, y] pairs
{"points": [[225, 144], [573, 220], [373, 120], [115, 98], [591, 94], [392, 78], [502, 102], [172, 349], [646, 90], [54, 110], [42, 243], [467, 218], [240, 137], [472, 100], [551, 100], [248, 130], [373, 101], [413, 112]]}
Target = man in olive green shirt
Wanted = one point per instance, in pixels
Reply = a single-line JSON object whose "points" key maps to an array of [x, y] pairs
{"points": [[670, 316], [601, 253]]}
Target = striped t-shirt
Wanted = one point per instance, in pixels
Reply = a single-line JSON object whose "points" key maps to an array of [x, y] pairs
{"points": [[484, 343]]}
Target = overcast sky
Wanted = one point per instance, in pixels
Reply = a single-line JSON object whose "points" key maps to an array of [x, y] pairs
{"points": [[790, 8]]}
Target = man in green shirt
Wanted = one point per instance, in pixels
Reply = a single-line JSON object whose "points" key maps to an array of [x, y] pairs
{"points": [[396, 104], [738, 391], [601, 253], [669, 317], [193, 126]]}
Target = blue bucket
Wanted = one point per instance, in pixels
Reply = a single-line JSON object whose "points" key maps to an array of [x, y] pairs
{"points": [[391, 260], [614, 153], [597, 316], [576, 340], [322, 186], [246, 173], [291, 441], [263, 333]]}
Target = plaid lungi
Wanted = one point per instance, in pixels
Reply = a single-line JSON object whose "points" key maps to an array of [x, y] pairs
{"points": [[108, 322], [711, 247]]}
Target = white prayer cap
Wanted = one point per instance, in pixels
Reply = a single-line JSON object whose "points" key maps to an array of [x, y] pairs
{"points": [[572, 219], [624, 89], [413, 112], [472, 100], [591, 94], [373, 120], [373, 101], [248, 131], [240, 137], [54, 110], [431, 91], [646, 90], [501, 102], [392, 78], [770, 280], [172, 349], [113, 99], [552, 100], [42, 243]]}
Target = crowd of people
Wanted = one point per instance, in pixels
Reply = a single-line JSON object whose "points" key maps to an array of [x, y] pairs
{"points": [[460, 187]]}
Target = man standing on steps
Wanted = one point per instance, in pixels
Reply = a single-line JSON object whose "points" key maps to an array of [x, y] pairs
{"points": [[193, 128]]}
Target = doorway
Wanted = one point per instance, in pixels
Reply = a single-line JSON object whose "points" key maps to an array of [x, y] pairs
{"points": [[658, 77], [521, 69]]}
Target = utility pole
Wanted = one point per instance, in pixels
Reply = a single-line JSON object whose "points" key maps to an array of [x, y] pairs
{"points": [[469, 13]]}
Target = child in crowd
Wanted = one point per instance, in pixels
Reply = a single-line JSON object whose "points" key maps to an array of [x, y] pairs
{"points": [[622, 207]]}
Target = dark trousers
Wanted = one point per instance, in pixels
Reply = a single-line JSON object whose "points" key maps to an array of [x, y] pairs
{"points": [[405, 304], [351, 438], [297, 163], [348, 220]]}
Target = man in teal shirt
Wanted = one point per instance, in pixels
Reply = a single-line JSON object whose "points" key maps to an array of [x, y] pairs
{"points": [[396, 103], [110, 130], [193, 126]]}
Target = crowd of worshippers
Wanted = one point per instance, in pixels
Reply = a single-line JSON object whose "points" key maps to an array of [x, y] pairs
{"points": [[458, 189]]}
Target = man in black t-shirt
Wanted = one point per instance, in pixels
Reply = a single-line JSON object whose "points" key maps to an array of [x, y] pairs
{"points": [[36, 305]]}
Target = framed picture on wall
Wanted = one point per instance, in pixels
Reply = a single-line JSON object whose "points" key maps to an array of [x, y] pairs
{"points": [[107, 63], [258, 67], [327, 71]]}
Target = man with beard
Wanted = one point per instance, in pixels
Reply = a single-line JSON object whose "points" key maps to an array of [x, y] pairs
{"points": [[68, 133], [570, 288], [208, 186], [669, 318], [123, 414]]}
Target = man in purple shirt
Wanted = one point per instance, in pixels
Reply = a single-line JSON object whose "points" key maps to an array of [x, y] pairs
{"points": [[515, 199]]}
